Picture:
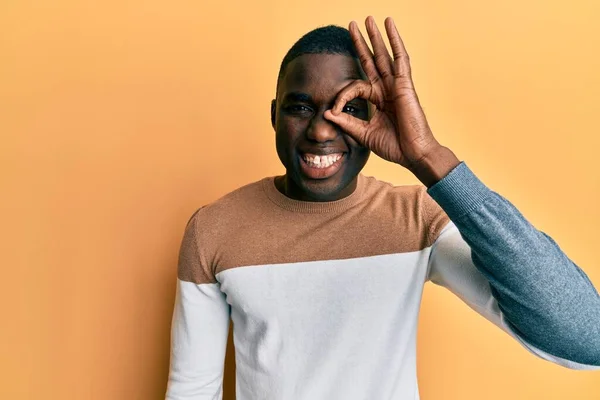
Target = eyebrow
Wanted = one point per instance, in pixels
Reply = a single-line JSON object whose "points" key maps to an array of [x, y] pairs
{"points": [[297, 96], [302, 97]]}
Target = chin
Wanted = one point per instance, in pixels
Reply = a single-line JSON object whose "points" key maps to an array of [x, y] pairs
{"points": [[329, 189], [336, 184]]}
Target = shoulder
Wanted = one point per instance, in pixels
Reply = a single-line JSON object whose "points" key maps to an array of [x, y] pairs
{"points": [[411, 201], [210, 226], [240, 201], [388, 193]]}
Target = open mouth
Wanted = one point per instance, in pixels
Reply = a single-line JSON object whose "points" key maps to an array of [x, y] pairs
{"points": [[322, 166]]}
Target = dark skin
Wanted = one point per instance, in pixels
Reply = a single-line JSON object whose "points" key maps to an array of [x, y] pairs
{"points": [[308, 88], [395, 129]]}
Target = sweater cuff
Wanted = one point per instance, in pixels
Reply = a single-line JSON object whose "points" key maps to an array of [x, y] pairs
{"points": [[459, 192]]}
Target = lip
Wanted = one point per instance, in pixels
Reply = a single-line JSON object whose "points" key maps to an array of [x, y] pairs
{"points": [[321, 173], [318, 152]]}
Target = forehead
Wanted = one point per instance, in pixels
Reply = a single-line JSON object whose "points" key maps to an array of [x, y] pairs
{"points": [[319, 74]]}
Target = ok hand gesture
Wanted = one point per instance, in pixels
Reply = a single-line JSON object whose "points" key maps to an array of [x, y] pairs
{"points": [[398, 130]]}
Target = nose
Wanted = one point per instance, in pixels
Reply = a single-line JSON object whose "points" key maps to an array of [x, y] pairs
{"points": [[321, 130]]}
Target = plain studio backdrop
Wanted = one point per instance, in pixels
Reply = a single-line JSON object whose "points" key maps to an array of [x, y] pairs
{"points": [[119, 119]]}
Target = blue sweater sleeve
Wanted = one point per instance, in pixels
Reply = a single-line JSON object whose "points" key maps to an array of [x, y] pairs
{"points": [[545, 298]]}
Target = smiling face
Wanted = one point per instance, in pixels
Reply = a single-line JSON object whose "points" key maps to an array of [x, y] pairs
{"points": [[322, 162]]}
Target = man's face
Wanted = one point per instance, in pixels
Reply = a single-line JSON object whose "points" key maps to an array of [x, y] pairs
{"points": [[322, 162]]}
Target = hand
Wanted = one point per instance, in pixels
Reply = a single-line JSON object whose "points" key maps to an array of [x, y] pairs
{"points": [[398, 130]]}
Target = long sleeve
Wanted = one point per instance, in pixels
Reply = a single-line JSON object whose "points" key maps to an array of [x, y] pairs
{"points": [[199, 327], [514, 275]]}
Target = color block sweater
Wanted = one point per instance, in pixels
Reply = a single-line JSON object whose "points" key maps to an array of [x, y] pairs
{"points": [[324, 296]]}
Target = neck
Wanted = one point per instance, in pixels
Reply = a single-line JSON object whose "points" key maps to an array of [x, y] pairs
{"points": [[288, 187]]}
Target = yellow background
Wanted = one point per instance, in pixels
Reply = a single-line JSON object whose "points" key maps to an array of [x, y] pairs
{"points": [[119, 118]]}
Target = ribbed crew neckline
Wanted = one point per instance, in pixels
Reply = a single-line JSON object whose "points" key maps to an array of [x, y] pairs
{"points": [[313, 206]]}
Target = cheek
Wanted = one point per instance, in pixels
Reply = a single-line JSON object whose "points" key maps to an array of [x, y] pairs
{"points": [[360, 154], [289, 131], [353, 144]]}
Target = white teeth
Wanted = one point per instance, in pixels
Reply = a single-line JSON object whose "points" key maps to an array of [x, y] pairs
{"points": [[323, 161]]}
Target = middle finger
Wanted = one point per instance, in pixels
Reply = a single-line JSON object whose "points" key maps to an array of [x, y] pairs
{"points": [[383, 60]]}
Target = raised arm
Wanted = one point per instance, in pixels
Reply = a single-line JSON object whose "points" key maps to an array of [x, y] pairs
{"points": [[545, 298], [199, 327], [514, 275]]}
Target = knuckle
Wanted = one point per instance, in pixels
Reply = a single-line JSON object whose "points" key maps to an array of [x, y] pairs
{"points": [[385, 74], [364, 59], [382, 57]]}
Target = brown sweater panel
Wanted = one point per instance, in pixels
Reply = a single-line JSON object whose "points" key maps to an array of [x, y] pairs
{"points": [[256, 225]]}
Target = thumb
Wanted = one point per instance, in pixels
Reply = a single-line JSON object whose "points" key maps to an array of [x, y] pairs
{"points": [[355, 127]]}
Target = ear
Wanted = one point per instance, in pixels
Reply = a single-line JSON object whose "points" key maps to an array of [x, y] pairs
{"points": [[273, 106]]}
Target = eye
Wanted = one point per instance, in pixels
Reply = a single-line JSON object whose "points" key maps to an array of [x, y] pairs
{"points": [[297, 109], [350, 109]]}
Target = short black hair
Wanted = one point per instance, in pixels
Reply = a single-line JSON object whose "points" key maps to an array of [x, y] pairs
{"points": [[330, 39]]}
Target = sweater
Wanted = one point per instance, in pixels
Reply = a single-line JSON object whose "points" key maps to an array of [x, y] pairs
{"points": [[324, 296]]}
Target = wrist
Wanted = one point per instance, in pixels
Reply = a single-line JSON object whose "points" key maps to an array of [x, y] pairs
{"points": [[435, 165]]}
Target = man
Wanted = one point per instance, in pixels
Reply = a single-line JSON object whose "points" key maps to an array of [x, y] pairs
{"points": [[322, 269]]}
